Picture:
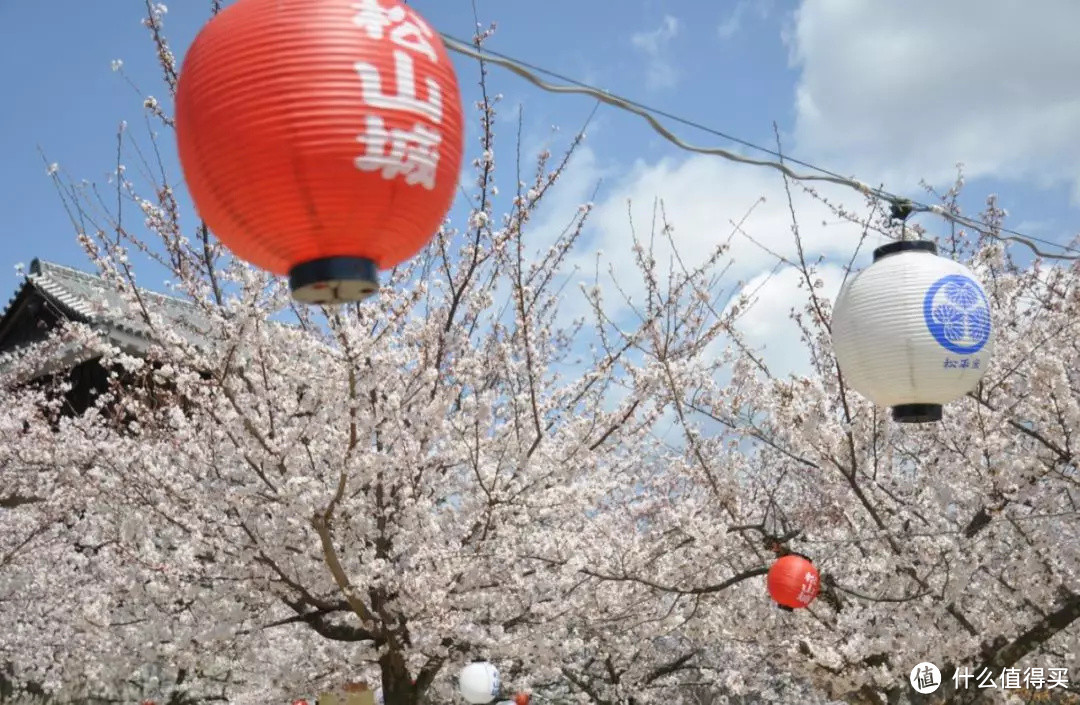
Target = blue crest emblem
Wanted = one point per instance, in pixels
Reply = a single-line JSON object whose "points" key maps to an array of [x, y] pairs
{"points": [[957, 314]]}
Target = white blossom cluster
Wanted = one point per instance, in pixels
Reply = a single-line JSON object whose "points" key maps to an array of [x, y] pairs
{"points": [[298, 498]]}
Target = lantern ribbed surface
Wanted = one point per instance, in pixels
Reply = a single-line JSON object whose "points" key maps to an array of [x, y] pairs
{"points": [[912, 329], [479, 683], [793, 581], [308, 129]]}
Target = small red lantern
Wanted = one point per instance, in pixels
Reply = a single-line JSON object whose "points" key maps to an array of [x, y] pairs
{"points": [[321, 139], [793, 581], [522, 699]]}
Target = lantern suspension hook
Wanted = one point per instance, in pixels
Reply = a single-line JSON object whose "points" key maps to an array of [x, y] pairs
{"points": [[901, 209]]}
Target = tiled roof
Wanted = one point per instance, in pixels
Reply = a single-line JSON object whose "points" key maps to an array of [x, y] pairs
{"points": [[90, 299]]}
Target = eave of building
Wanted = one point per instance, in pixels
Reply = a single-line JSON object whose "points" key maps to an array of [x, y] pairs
{"points": [[84, 298]]}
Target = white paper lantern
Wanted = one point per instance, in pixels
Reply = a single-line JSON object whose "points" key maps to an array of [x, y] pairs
{"points": [[912, 331], [479, 682]]}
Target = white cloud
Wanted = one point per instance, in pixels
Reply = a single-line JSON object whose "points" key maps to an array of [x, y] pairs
{"points": [[703, 196], [767, 327], [731, 24], [896, 92], [661, 72]]}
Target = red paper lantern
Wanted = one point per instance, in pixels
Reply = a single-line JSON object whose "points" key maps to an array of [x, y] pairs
{"points": [[522, 699], [793, 581], [321, 139]]}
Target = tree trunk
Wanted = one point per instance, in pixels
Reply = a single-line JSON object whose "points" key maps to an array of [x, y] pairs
{"points": [[398, 687]]}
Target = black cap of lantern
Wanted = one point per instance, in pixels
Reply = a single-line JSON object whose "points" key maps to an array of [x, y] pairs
{"points": [[894, 248], [334, 280], [916, 413]]}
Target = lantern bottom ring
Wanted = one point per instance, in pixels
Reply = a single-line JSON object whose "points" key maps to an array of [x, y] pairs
{"points": [[334, 280], [916, 413]]}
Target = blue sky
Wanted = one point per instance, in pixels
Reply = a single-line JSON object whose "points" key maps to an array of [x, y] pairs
{"points": [[886, 94], [67, 100]]}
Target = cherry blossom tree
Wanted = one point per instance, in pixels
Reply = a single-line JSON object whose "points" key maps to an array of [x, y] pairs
{"points": [[954, 543], [264, 509], [274, 500]]}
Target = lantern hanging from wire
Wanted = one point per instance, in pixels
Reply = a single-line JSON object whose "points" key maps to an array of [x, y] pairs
{"points": [[912, 331], [320, 139], [479, 683], [793, 581]]}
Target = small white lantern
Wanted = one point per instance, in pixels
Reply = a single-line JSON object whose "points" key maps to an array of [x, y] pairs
{"points": [[479, 682], [912, 331]]}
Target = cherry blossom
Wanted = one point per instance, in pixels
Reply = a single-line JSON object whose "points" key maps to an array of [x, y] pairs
{"points": [[270, 502]]}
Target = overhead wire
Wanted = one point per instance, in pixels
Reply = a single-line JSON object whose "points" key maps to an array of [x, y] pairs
{"points": [[929, 534], [908, 206], [569, 85]]}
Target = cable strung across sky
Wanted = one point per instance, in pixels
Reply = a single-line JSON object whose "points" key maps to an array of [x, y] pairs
{"points": [[529, 72]]}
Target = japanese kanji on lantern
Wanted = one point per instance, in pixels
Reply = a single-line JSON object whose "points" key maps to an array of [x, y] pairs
{"points": [[912, 331], [793, 581], [320, 139]]}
